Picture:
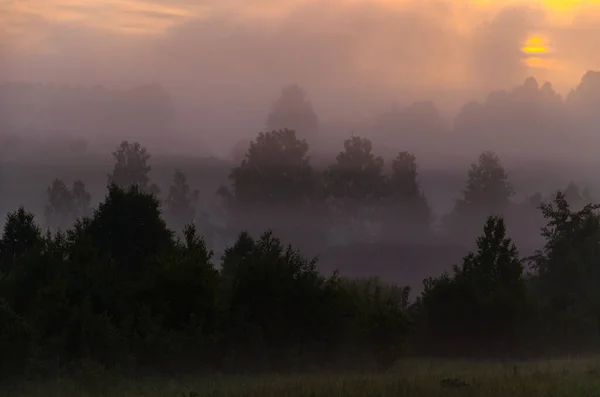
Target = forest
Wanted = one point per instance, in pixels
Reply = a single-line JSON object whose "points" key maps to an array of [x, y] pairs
{"points": [[133, 284], [300, 198]]}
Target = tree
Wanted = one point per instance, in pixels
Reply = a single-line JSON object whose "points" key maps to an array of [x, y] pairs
{"points": [[487, 191], [128, 227], [566, 271], [275, 187], [293, 111], [132, 168], [21, 234], [59, 210], [356, 183], [408, 213], [483, 301], [357, 174], [181, 203], [16, 342], [264, 318], [487, 183], [64, 205], [184, 288], [276, 171]]}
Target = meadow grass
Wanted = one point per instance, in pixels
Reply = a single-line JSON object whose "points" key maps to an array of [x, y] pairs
{"points": [[556, 378]]}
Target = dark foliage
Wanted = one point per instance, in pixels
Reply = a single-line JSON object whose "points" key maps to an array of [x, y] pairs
{"points": [[407, 215], [117, 287], [355, 185], [567, 272], [132, 168], [487, 191], [479, 306], [275, 187]]}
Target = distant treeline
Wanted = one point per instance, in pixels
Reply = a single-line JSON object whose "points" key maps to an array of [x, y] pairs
{"points": [[116, 286], [531, 120]]}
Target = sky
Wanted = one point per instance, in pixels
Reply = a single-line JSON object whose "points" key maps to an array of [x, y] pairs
{"points": [[342, 51]]}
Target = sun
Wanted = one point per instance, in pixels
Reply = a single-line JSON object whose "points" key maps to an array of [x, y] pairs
{"points": [[538, 54], [536, 45]]}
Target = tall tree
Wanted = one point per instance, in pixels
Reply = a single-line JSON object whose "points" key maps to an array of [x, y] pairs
{"points": [[181, 203], [408, 213], [293, 111], [132, 168], [488, 191], [487, 183], [566, 270], [276, 171], [480, 304], [275, 187], [355, 183], [21, 234], [127, 227]]}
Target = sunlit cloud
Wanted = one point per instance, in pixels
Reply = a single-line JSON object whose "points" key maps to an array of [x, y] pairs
{"points": [[123, 16], [536, 45], [389, 42]]}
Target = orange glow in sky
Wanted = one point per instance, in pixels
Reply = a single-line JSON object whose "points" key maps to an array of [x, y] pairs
{"points": [[27, 25], [152, 16], [537, 48], [535, 45]]}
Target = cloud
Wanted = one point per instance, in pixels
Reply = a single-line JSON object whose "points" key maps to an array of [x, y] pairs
{"points": [[111, 15], [225, 61], [414, 44], [496, 55], [347, 52]]}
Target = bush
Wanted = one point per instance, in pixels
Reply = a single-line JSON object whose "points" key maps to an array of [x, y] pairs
{"points": [[16, 341]]}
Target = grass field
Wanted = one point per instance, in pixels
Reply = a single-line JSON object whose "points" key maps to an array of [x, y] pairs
{"points": [[579, 377]]}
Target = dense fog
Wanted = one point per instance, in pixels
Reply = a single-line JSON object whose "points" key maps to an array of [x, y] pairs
{"points": [[242, 186], [195, 83]]}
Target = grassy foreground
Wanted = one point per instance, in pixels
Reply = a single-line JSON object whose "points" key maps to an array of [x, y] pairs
{"points": [[415, 378]]}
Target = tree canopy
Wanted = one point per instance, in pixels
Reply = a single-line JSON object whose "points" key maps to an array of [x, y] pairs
{"points": [[132, 168], [408, 214], [293, 111]]}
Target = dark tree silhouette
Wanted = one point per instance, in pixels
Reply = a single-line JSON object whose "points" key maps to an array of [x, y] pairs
{"points": [[21, 234], [357, 174], [567, 270], [487, 183], [16, 342], [408, 215], [293, 111], [132, 168], [128, 227], [275, 171], [356, 184], [265, 269], [487, 192], [482, 301], [276, 188]]}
